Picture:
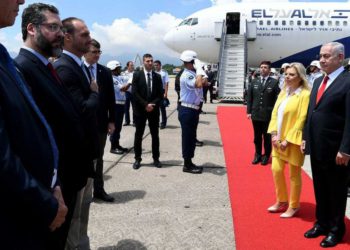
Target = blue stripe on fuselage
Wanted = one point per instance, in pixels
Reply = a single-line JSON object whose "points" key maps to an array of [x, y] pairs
{"points": [[306, 56]]}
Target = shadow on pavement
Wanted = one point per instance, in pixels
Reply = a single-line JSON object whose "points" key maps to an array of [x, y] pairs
{"points": [[126, 244], [125, 196]]}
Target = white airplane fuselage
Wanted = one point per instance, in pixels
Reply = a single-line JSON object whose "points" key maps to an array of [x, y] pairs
{"points": [[285, 32]]}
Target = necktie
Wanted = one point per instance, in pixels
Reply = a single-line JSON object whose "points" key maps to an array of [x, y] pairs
{"points": [[4, 55], [263, 82], [149, 84], [322, 89], [83, 67], [91, 68], [53, 72]]}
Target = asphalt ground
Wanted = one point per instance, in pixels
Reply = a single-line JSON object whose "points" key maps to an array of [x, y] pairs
{"points": [[164, 208]]}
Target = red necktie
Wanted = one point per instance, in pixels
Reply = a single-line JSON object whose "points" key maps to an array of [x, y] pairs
{"points": [[53, 72], [322, 88]]}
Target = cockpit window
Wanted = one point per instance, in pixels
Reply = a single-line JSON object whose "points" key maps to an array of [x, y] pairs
{"points": [[189, 21], [194, 21]]}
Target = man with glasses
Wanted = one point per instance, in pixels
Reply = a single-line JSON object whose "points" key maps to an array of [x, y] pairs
{"points": [[42, 35], [105, 112], [32, 203]]}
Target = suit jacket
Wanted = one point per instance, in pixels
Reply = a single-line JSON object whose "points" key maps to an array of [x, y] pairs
{"points": [[327, 129], [86, 100], [261, 99], [59, 109], [26, 169], [106, 108], [139, 91], [294, 117]]}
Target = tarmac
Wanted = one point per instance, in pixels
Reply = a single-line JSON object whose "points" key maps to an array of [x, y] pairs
{"points": [[164, 208]]}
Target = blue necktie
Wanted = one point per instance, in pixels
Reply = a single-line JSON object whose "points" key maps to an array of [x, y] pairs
{"points": [[5, 57]]}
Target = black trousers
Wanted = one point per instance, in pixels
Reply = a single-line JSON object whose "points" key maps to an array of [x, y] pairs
{"points": [[260, 132], [330, 187], [205, 93], [153, 124], [189, 119], [98, 179]]}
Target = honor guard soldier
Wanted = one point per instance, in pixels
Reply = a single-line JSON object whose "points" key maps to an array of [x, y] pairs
{"points": [[191, 82], [261, 97], [120, 87]]}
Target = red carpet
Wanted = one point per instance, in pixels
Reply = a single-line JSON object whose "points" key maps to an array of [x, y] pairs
{"points": [[252, 191]]}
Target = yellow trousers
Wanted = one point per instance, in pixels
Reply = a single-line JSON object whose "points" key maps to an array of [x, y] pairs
{"points": [[280, 182]]}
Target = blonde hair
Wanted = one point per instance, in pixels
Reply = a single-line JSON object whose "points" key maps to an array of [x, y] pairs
{"points": [[301, 71]]}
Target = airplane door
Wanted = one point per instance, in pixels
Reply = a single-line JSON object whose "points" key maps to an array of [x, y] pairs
{"points": [[233, 20]]}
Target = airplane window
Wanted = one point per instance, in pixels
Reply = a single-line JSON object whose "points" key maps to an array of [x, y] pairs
{"points": [[306, 23], [345, 23], [261, 22], [194, 21], [299, 23], [268, 22], [329, 23], [283, 22], [314, 23], [337, 23], [322, 23], [276, 22], [291, 22], [186, 22]]}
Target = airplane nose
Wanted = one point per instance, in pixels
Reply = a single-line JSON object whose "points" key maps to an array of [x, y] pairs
{"points": [[169, 39]]}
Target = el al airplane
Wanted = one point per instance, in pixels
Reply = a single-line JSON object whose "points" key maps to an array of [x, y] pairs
{"points": [[279, 32]]}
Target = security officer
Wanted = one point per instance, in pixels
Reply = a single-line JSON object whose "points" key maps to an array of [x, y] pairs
{"points": [[120, 87], [191, 83], [314, 72], [261, 97]]}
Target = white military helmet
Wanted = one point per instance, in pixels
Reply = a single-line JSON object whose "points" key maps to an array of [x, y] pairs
{"points": [[188, 56], [284, 65], [316, 63], [112, 65]]}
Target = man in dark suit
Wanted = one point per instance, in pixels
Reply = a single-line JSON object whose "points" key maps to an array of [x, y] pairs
{"points": [[147, 90], [105, 112], [261, 97], [32, 201], [327, 136], [84, 91], [42, 35]]}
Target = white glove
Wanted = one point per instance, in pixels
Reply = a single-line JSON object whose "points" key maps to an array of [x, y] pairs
{"points": [[198, 65]]}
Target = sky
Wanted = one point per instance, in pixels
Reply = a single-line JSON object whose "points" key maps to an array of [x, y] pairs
{"points": [[126, 28]]}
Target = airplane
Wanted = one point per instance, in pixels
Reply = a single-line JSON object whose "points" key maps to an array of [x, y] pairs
{"points": [[278, 32]]}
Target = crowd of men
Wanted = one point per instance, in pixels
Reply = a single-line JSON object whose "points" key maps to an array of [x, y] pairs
{"points": [[58, 104]]}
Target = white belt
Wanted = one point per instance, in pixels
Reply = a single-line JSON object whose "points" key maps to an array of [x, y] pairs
{"points": [[119, 102], [192, 106]]}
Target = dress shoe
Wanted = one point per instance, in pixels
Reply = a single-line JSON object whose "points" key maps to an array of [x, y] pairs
{"points": [[315, 232], [199, 143], [289, 213], [330, 240], [116, 151], [126, 124], [256, 159], [136, 165], [278, 207], [103, 196], [162, 126], [193, 169], [122, 149], [157, 164], [265, 160]]}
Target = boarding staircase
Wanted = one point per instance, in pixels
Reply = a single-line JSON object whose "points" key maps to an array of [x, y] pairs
{"points": [[232, 67]]}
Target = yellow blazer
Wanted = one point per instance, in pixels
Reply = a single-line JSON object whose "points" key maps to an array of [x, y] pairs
{"points": [[294, 117]]}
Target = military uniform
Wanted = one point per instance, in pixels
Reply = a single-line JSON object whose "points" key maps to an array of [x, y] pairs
{"points": [[261, 99]]}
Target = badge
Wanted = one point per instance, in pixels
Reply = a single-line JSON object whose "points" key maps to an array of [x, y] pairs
{"points": [[190, 77]]}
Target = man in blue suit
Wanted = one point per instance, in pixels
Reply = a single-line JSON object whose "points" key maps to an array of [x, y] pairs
{"points": [[33, 202]]}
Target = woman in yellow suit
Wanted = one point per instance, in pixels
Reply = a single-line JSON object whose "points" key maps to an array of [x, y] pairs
{"points": [[286, 126]]}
